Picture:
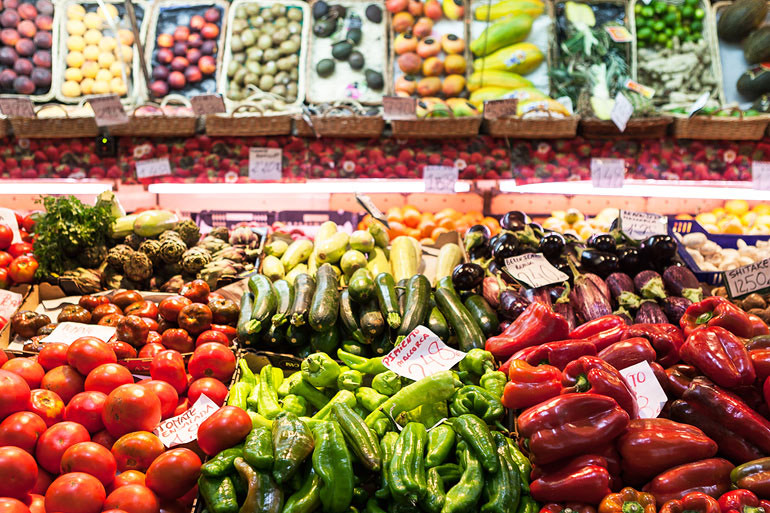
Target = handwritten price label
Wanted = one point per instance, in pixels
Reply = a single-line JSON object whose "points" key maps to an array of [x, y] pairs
{"points": [[183, 428], [265, 163], [207, 104], [619, 34], [17, 107], [747, 279], [8, 217], [68, 332], [421, 354], [621, 112], [494, 109], [9, 303], [440, 179], [108, 110], [649, 395], [534, 270], [698, 104], [608, 172], [640, 225], [366, 202], [760, 175], [396, 107], [152, 168]]}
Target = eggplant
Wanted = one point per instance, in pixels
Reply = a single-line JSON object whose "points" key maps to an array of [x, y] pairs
{"points": [[493, 268], [564, 267], [630, 260], [650, 313], [551, 246], [621, 288], [481, 252], [588, 300], [571, 237], [680, 281], [649, 285], [491, 287], [658, 248], [512, 305], [599, 262], [467, 276], [599, 283], [602, 242], [625, 316], [477, 235], [538, 295], [505, 247], [674, 308], [536, 227], [566, 311], [514, 220]]}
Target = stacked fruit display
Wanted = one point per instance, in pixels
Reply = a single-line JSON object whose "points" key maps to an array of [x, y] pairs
{"points": [[26, 54]]}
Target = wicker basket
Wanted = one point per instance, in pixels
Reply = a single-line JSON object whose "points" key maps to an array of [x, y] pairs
{"points": [[549, 127], [60, 127], [352, 125], [249, 124], [715, 128], [163, 125], [436, 128], [637, 128], [4, 127]]}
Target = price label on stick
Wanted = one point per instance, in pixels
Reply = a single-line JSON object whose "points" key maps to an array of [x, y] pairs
{"points": [[183, 428], [152, 168], [421, 354], [9, 303], [8, 217], [68, 332], [747, 279], [265, 163], [698, 104], [608, 172], [621, 112], [760, 175], [20, 107], [108, 110], [440, 179], [203, 104], [640, 225], [396, 107], [649, 395], [366, 202], [534, 270]]}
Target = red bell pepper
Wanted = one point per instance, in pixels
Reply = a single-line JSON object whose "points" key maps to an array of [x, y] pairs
{"points": [[611, 462], [766, 391], [570, 507], [530, 385], [717, 311], [665, 338], [559, 353], [607, 337], [679, 378], [628, 500], [584, 483], [570, 425], [597, 326], [720, 355], [760, 360], [650, 446], [760, 328], [711, 476], [591, 373], [740, 501], [753, 475], [758, 342], [536, 325], [695, 502], [628, 352]]}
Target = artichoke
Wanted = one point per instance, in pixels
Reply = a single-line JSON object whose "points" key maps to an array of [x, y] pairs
{"points": [[244, 236], [195, 259], [220, 232], [231, 253], [112, 278], [133, 241], [118, 255], [87, 281], [138, 267], [172, 249], [189, 232], [93, 256], [172, 269], [173, 285], [212, 244], [151, 248], [169, 234]]}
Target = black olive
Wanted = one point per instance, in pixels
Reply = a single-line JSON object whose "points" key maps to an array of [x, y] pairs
{"points": [[551, 245], [602, 241], [599, 262], [514, 220], [630, 261], [467, 276]]}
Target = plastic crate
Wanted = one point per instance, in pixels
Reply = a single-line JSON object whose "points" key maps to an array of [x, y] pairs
{"points": [[209, 219], [309, 222], [685, 226]]}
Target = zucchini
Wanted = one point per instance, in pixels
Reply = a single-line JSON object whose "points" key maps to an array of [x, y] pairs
{"points": [[325, 341], [273, 268], [325, 306], [372, 321], [304, 287], [438, 325], [265, 302], [380, 234], [361, 286], [482, 313], [378, 262], [297, 253], [401, 294], [276, 335], [449, 256], [348, 317], [326, 230], [297, 336], [285, 295], [469, 335], [291, 276], [404, 258], [382, 345], [386, 295], [417, 304], [330, 251], [247, 305]]}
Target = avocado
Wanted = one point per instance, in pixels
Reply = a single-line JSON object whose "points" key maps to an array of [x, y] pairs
{"points": [[739, 18], [356, 60], [756, 47], [324, 28], [320, 8], [374, 13], [341, 50], [324, 68], [374, 80], [754, 83], [354, 36]]}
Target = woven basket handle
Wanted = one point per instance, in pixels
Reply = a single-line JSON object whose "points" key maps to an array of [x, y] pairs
{"points": [[728, 109], [175, 98], [333, 108], [246, 105], [48, 105], [148, 104]]}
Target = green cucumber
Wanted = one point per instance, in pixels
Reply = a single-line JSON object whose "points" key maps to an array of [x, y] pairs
{"points": [[386, 295], [265, 302], [417, 303], [348, 317], [401, 293], [438, 325], [304, 287], [325, 306], [469, 335], [325, 341], [247, 305], [361, 286], [482, 313], [285, 295], [371, 320]]}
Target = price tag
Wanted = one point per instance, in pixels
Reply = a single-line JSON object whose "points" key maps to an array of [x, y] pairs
{"points": [[645, 91], [440, 179], [366, 202], [397, 107], [8, 217], [534, 270], [68, 332], [421, 354], [608, 172], [108, 110], [17, 107], [619, 33], [183, 428], [640, 225], [494, 109], [207, 104], [265, 163], [152, 168], [747, 279], [567, 102], [9, 303], [760, 175], [698, 104], [621, 112], [649, 395]]}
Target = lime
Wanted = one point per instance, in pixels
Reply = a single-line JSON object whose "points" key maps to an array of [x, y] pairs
{"points": [[687, 11], [669, 44], [640, 43], [638, 9], [641, 22], [699, 14], [661, 38], [692, 3], [659, 7], [680, 33], [658, 26], [669, 32], [647, 11], [670, 19], [696, 27], [671, 8], [644, 33]]}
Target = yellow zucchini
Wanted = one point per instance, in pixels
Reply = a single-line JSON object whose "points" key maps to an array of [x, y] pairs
{"points": [[404, 259], [378, 262], [449, 256]]}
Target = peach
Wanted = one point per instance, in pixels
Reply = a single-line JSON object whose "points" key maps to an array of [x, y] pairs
{"points": [[44, 7], [165, 56], [24, 85], [159, 88], [432, 67], [193, 74], [194, 40], [406, 83], [404, 43], [27, 29], [181, 34], [41, 78], [428, 47], [42, 59], [8, 56], [402, 22], [176, 80], [7, 76], [207, 65], [415, 8], [453, 85], [180, 49], [27, 11], [11, 4], [423, 27], [394, 6], [429, 86], [193, 55], [210, 31], [454, 64], [197, 22], [450, 43], [410, 63], [432, 10], [160, 73], [211, 15], [179, 63], [209, 48], [9, 18], [23, 67], [43, 40], [44, 22], [9, 37], [165, 40], [25, 47]]}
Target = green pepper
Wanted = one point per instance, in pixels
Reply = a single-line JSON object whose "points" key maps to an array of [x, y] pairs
{"points": [[258, 448], [222, 464], [528, 505], [387, 383], [252, 401], [267, 400], [292, 443], [354, 347], [475, 433], [494, 383], [311, 394], [284, 388], [503, 490], [522, 463], [295, 404], [359, 437], [332, 462], [441, 441], [477, 361], [436, 495], [361, 364], [387, 444], [308, 497], [219, 494], [406, 469], [247, 376], [239, 394], [350, 380], [258, 420], [463, 496], [343, 396], [429, 414], [264, 495], [450, 472], [278, 378], [320, 370], [373, 507], [369, 398], [476, 400]]}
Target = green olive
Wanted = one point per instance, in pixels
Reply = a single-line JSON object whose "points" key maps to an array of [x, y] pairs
{"points": [[268, 15], [294, 27], [282, 77], [234, 93], [236, 43], [252, 9], [241, 13], [265, 42], [269, 68], [247, 39], [291, 89], [232, 68], [254, 67], [279, 90], [294, 60], [294, 13], [254, 54], [281, 22], [266, 82], [280, 35], [239, 25], [294, 74], [239, 76], [271, 54], [239, 57], [251, 78], [278, 10], [288, 47], [257, 21], [268, 29], [296, 39], [283, 64]]}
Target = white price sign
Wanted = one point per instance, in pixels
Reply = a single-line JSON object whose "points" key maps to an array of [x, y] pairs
{"points": [[608, 172], [747, 279], [152, 168], [440, 179], [621, 112], [640, 225], [421, 354], [9, 303], [68, 332], [366, 202], [698, 104], [265, 163], [20, 107], [7, 216], [649, 395], [534, 270], [760, 175], [183, 428]]}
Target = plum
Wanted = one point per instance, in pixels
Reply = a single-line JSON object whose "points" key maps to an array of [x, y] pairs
{"points": [[24, 85], [41, 78]]}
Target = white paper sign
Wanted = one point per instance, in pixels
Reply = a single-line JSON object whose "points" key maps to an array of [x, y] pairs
{"points": [[608, 172], [649, 395], [20, 107], [152, 168], [366, 202], [747, 279], [421, 354], [68, 332], [534, 270], [265, 163], [8, 217], [183, 428], [640, 225], [760, 175], [440, 179], [9, 303], [621, 112], [698, 104]]}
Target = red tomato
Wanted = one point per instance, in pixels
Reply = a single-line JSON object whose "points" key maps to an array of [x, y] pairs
{"points": [[128, 477], [20, 249], [75, 492], [183, 406], [44, 480], [142, 309], [229, 331], [107, 377], [196, 291], [227, 427], [148, 350], [29, 222], [210, 387], [91, 302], [173, 473], [103, 310], [22, 429], [125, 298], [178, 340], [9, 505], [195, 318], [136, 451], [212, 336], [46, 404], [52, 355], [5, 279], [133, 498], [87, 353], [6, 236], [187, 499], [168, 366], [212, 360], [133, 329], [170, 307], [122, 349], [131, 408], [150, 323], [27, 368], [5, 259], [57, 439], [36, 503], [65, 381], [90, 458], [22, 269], [166, 393], [18, 472], [104, 439], [86, 409], [14, 393]]}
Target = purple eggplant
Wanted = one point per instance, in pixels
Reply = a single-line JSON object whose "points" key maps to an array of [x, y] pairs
{"points": [[623, 314], [622, 290], [674, 308], [538, 295], [600, 283], [649, 285], [650, 313], [588, 301], [467, 276], [512, 305], [566, 311], [680, 281], [491, 287]]}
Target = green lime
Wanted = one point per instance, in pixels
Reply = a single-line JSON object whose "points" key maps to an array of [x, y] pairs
{"points": [[671, 8], [687, 11], [641, 22], [661, 38], [696, 27], [687, 29], [647, 11], [644, 33], [669, 44], [670, 19], [640, 43], [692, 3], [680, 33], [658, 26], [669, 32], [659, 7], [699, 14], [638, 9]]}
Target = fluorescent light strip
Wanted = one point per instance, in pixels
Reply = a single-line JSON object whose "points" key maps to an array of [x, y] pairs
{"points": [[49, 188], [310, 187]]}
